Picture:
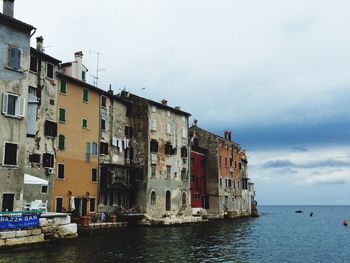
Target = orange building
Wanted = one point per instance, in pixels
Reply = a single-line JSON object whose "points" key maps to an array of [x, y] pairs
{"points": [[76, 174]]}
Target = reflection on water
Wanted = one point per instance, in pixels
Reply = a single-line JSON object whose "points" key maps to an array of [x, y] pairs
{"points": [[279, 235]]}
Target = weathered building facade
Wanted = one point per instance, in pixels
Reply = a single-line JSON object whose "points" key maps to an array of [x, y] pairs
{"points": [[227, 184], [14, 65], [75, 186], [161, 155], [41, 124]]}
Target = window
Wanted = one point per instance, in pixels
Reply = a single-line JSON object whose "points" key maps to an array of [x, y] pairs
{"points": [[154, 146], [153, 197], [94, 175], [153, 170], [34, 158], [33, 64], [128, 132], [59, 204], [10, 156], [50, 129], [83, 75], [231, 162], [44, 189], [103, 124], [13, 105], [154, 125], [184, 132], [168, 171], [168, 149], [14, 58], [184, 152], [92, 204], [184, 174], [103, 101], [220, 160], [63, 87], [226, 162], [184, 202], [85, 95], [84, 123], [94, 148], [49, 70], [62, 116], [48, 160], [240, 165], [103, 148], [60, 171], [61, 142], [168, 128], [87, 152], [220, 181], [226, 182]]}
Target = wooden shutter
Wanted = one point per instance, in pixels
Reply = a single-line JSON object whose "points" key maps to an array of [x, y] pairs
{"points": [[4, 103], [21, 107]]}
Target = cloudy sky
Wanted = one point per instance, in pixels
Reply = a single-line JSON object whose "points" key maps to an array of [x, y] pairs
{"points": [[275, 72]]}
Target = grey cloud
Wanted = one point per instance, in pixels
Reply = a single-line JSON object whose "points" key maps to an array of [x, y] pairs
{"points": [[307, 164]]}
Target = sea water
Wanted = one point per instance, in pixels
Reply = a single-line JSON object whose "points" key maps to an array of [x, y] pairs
{"points": [[278, 235]]}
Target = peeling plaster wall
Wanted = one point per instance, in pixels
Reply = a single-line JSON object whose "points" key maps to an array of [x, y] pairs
{"points": [[13, 129], [46, 91], [161, 183]]}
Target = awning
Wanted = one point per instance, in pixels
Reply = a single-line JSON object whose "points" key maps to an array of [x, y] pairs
{"points": [[30, 179]]}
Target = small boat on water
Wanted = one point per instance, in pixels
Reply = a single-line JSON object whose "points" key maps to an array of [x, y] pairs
{"points": [[345, 222], [299, 211]]}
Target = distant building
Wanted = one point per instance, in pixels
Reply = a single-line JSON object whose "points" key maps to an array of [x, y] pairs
{"points": [[228, 190], [14, 66]]}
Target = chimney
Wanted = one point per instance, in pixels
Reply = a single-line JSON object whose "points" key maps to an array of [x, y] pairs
{"points": [[79, 65], [195, 122], [8, 7], [164, 102], [39, 44], [177, 108], [110, 91], [228, 135]]}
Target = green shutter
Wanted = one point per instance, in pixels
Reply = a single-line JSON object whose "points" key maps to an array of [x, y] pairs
{"points": [[85, 124], [61, 140], [85, 95], [63, 86], [62, 115]]}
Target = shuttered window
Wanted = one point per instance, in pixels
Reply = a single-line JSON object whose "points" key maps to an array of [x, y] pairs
{"points": [[154, 146], [61, 142], [63, 87], [62, 117], [13, 105], [85, 95], [14, 58]]}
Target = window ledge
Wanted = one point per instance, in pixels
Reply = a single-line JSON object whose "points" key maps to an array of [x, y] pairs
{"points": [[64, 94], [15, 70], [13, 116], [10, 166]]}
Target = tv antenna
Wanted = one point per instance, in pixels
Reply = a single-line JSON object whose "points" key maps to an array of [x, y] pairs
{"points": [[98, 69]]}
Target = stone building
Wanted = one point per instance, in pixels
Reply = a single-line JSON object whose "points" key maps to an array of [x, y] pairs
{"points": [[14, 66], [118, 155], [160, 154], [41, 125], [229, 192]]}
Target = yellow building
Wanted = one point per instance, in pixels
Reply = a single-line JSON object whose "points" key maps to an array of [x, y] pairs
{"points": [[76, 175]]}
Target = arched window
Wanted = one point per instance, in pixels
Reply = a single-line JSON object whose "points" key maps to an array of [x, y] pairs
{"points": [[184, 199], [153, 197]]}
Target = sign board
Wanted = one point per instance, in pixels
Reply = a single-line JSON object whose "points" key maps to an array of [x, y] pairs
{"points": [[11, 220]]}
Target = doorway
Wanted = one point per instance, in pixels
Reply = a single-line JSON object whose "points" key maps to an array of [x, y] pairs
{"points": [[8, 202], [168, 201]]}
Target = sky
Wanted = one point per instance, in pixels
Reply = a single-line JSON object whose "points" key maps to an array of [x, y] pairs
{"points": [[274, 72]]}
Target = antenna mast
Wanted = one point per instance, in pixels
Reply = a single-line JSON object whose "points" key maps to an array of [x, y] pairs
{"points": [[98, 69]]}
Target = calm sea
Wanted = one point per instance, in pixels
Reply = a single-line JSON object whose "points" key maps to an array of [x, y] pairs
{"points": [[278, 235]]}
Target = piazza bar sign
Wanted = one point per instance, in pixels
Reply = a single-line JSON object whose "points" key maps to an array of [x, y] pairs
{"points": [[11, 220]]}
